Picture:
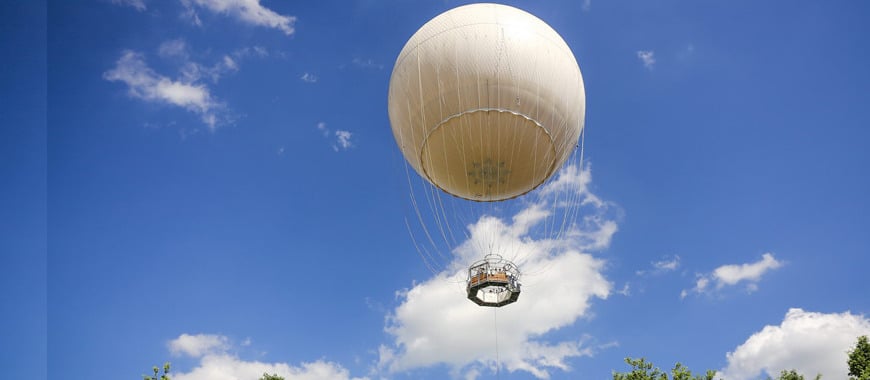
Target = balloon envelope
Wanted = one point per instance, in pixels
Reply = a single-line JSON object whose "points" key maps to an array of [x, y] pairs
{"points": [[486, 102]]}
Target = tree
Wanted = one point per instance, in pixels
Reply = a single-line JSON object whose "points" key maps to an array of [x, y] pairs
{"points": [[859, 360], [792, 375], [644, 370], [164, 376], [267, 376]]}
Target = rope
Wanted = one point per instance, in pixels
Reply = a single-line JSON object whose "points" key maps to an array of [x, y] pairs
{"points": [[495, 326], [440, 221]]}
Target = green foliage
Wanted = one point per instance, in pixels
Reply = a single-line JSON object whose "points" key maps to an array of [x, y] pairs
{"points": [[792, 375], [157, 375], [640, 370], [859, 360], [644, 370], [267, 376]]}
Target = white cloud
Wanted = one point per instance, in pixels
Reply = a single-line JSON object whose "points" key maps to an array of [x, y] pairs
{"points": [[198, 345], [216, 363], [625, 291], [574, 180], [138, 4], [229, 64], [229, 367], [811, 343], [647, 57], [342, 140], [733, 274], [730, 275], [666, 264], [308, 77], [186, 91], [192, 71], [248, 11], [178, 51], [144, 83], [435, 324], [587, 5]]}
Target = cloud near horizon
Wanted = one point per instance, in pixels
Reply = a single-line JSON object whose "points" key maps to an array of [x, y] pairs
{"points": [[810, 343], [436, 324], [216, 363]]}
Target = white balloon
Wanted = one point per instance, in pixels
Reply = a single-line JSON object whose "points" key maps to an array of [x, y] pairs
{"points": [[486, 102]]}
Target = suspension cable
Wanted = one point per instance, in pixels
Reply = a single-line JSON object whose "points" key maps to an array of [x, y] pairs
{"points": [[495, 327]]}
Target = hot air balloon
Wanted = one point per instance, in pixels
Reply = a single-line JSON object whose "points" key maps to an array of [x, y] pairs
{"points": [[486, 103]]}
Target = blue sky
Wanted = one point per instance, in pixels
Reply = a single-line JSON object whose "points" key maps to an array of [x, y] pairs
{"points": [[217, 186]]}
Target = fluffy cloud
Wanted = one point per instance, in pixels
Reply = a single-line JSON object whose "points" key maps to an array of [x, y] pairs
{"points": [[247, 11], [647, 57], [435, 324], [576, 181], [146, 84], [228, 367], [730, 275], [733, 274], [198, 345], [811, 343], [187, 90], [216, 363]]}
